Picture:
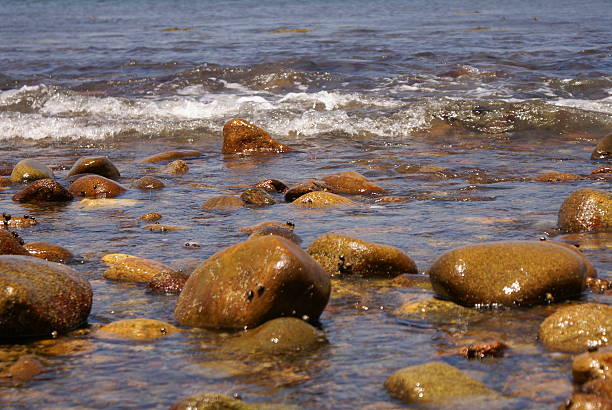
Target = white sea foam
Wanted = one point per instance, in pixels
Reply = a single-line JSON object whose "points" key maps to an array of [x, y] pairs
{"points": [[604, 105]]}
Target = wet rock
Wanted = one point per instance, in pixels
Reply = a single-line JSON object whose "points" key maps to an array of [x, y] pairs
{"points": [[352, 183], [98, 165], [391, 200], [436, 310], [96, 186], [48, 251], [24, 369], [586, 210], [596, 285], [252, 282], [223, 203], [513, 273], [151, 217], [581, 401], [556, 177], [167, 283], [132, 268], [5, 181], [272, 185], [602, 170], [212, 401], [10, 245], [163, 228], [256, 198], [178, 167], [592, 365], [30, 170], [137, 329], [147, 183], [43, 190], [598, 387], [240, 136], [171, 156], [40, 297], [278, 231], [482, 350], [282, 335], [320, 199], [577, 328], [591, 271], [11, 221], [267, 224], [343, 255], [433, 382], [603, 150], [297, 191]]}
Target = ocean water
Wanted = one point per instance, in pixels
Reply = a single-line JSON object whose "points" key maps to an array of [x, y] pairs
{"points": [[453, 106]]}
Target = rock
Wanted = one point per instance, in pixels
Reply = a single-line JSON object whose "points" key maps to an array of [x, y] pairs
{"points": [[282, 335], [343, 255], [577, 328], [5, 181], [581, 401], [178, 167], [599, 387], [223, 203], [24, 369], [272, 185], [556, 177], [433, 382], [602, 170], [436, 310], [320, 199], [96, 186], [297, 191], [391, 200], [252, 282], [98, 165], [592, 365], [586, 210], [167, 283], [132, 268], [48, 251], [483, 349], [10, 245], [163, 228], [256, 198], [278, 231], [212, 401], [10, 221], [151, 217], [172, 155], [352, 183], [147, 183], [43, 190], [240, 136], [41, 297], [603, 149], [30, 170], [137, 329], [512, 273], [267, 224], [591, 272]]}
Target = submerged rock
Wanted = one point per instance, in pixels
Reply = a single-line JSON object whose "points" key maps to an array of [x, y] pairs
{"points": [[603, 149], [10, 245], [43, 190], [556, 177], [272, 185], [257, 198], [30, 170], [171, 155], [24, 369], [297, 191], [98, 165], [252, 282], [40, 297], [352, 183], [278, 231], [343, 255], [577, 328], [240, 136], [586, 210], [132, 268], [593, 365], [213, 401], [167, 283], [178, 167], [48, 251], [581, 401], [137, 329], [436, 310], [147, 182], [267, 224], [320, 199], [223, 203], [433, 382], [96, 186]]}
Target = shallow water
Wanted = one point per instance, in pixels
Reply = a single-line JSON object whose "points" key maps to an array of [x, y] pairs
{"points": [[452, 106]]}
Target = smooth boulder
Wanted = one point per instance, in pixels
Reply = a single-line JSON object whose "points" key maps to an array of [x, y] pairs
{"points": [[10, 245], [148, 183], [41, 297], [30, 170], [223, 203], [98, 165], [603, 150], [586, 210], [252, 282], [352, 183], [43, 190], [240, 136], [48, 251], [509, 273], [593, 365], [321, 199], [132, 268], [137, 329], [171, 156], [96, 186]]}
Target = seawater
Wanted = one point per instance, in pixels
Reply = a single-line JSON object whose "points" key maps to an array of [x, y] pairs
{"points": [[453, 106]]}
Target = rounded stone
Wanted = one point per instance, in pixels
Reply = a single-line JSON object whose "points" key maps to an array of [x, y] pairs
{"points": [[41, 297], [10, 245], [24, 369], [343, 255], [99, 165], [30, 170], [167, 283], [278, 231], [151, 217], [599, 387], [178, 167], [297, 191], [352, 183], [223, 203], [577, 328], [132, 268], [96, 186], [603, 150], [272, 185], [43, 190], [586, 210], [171, 156], [137, 329], [321, 199], [512, 273], [252, 282], [240, 136], [556, 177], [257, 198], [48, 251], [148, 183], [592, 365], [11, 221], [267, 224], [433, 382], [212, 401], [581, 401]]}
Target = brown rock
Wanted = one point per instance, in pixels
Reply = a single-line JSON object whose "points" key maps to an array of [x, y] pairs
{"points": [[343, 255], [352, 183], [98, 165], [151, 217], [256, 198], [599, 387], [556, 177], [581, 401], [591, 271], [272, 185], [24, 369], [132, 268], [147, 183], [45, 190], [586, 210], [223, 203], [436, 310], [268, 224], [172, 155], [10, 245], [212, 401], [577, 328], [48, 251], [5, 181], [137, 329], [278, 231], [391, 199], [297, 191], [253, 282], [96, 186], [482, 350], [178, 167], [240, 136], [320, 199], [167, 283], [30, 170], [603, 149], [11, 221], [602, 170], [592, 365]]}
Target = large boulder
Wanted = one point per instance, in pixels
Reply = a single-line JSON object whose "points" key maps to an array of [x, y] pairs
{"points": [[343, 255], [240, 136], [252, 282], [512, 273], [96, 186], [30, 170], [604, 149], [586, 210], [43, 190], [40, 297], [99, 165]]}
